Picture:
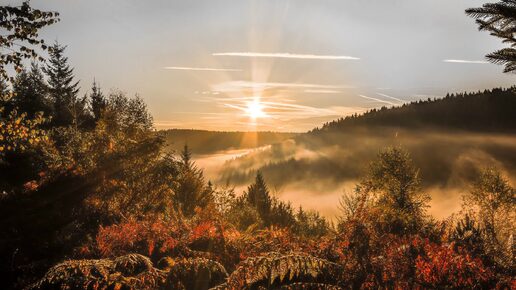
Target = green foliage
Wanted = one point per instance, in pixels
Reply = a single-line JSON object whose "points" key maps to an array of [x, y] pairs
{"points": [[469, 235], [499, 19], [492, 201], [69, 109], [30, 92], [393, 185], [310, 224], [98, 102], [258, 196], [190, 188], [482, 111], [244, 216]]}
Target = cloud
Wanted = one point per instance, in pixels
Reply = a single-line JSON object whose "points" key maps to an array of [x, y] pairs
{"points": [[315, 91], [377, 100], [392, 98], [465, 61], [232, 86], [286, 55], [200, 68]]}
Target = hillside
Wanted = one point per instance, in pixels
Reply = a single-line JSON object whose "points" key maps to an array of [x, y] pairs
{"points": [[206, 142], [449, 139], [487, 111]]}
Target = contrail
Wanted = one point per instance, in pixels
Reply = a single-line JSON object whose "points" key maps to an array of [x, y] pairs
{"points": [[392, 98], [377, 100]]}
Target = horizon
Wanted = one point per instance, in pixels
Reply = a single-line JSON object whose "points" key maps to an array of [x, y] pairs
{"points": [[281, 66]]}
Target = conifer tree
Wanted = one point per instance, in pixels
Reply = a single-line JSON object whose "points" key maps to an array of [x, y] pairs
{"points": [[190, 190], [98, 101], [63, 89], [500, 20], [31, 92], [258, 196]]}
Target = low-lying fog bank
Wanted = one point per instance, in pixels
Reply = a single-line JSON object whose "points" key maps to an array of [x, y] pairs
{"points": [[314, 170]]}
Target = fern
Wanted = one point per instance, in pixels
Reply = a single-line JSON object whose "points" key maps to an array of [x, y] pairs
{"points": [[195, 273], [310, 286], [131, 271], [275, 270]]}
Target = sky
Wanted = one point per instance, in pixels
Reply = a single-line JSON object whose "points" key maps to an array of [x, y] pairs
{"points": [[273, 65]]}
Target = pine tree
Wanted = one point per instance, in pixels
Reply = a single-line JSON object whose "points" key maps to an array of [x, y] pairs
{"points": [[500, 20], [63, 89], [31, 92], [186, 157], [190, 190], [98, 101], [258, 196]]}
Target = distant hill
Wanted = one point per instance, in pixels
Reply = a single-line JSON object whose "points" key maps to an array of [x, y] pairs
{"points": [[449, 139], [206, 142], [488, 111]]}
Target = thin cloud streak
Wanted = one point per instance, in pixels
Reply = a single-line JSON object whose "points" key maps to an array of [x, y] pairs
{"points": [[201, 68], [392, 98], [286, 55], [465, 61], [315, 91], [239, 85], [377, 100]]}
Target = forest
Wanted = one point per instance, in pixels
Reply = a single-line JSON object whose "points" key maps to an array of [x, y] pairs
{"points": [[206, 142], [92, 197]]}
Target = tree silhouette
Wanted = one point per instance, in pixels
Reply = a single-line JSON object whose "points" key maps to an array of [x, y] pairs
{"points": [[30, 92], [190, 190], [98, 101], [393, 184], [19, 35], [63, 89], [500, 20], [258, 196]]}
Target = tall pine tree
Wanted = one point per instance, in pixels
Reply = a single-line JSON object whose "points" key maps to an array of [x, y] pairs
{"points": [[190, 190], [258, 196], [69, 109]]}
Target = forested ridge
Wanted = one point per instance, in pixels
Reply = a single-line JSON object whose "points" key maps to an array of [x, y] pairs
{"points": [[90, 198], [486, 111], [205, 142]]}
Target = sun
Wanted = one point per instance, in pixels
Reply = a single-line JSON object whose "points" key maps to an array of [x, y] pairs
{"points": [[255, 109]]}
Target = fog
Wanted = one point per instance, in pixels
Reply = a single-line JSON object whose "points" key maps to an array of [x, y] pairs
{"points": [[313, 170]]}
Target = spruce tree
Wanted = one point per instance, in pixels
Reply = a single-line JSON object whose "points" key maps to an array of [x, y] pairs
{"points": [[258, 196], [98, 102], [190, 190], [31, 92], [69, 109]]}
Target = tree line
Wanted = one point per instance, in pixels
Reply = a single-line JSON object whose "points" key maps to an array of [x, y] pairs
{"points": [[486, 111]]}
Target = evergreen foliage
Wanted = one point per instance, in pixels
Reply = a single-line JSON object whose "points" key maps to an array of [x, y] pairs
{"points": [[499, 19], [487, 111], [63, 89], [31, 92], [98, 102]]}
